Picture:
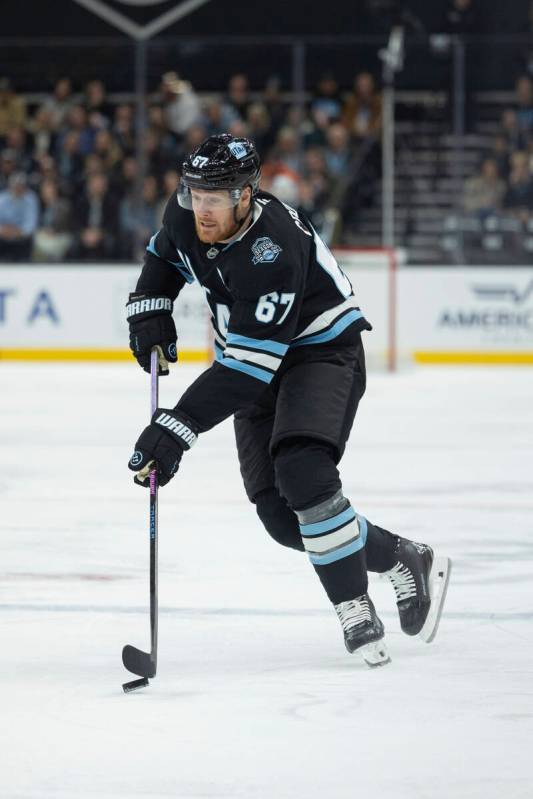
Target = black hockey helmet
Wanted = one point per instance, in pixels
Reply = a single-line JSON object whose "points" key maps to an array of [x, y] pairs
{"points": [[220, 162]]}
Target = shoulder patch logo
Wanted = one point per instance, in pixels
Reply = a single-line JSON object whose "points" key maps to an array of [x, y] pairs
{"points": [[264, 251]]}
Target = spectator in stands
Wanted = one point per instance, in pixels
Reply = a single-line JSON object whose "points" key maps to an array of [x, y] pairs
{"points": [[46, 169], [316, 174], [44, 134], [238, 95], [515, 138], [109, 151], [316, 187], [171, 180], [60, 103], [8, 165], [286, 152], [126, 177], [297, 118], [461, 17], [138, 220], [239, 128], [273, 100], [260, 128], [484, 192], [327, 97], [181, 104], [524, 103], [315, 134], [92, 165], [69, 161], [500, 152], [19, 210], [123, 129], [157, 159], [167, 141], [519, 195], [99, 110], [338, 152], [362, 111], [53, 236], [96, 220], [12, 108], [16, 139], [217, 117], [77, 122]]}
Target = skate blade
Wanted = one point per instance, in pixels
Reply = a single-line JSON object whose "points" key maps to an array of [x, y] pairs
{"points": [[438, 585], [375, 654]]}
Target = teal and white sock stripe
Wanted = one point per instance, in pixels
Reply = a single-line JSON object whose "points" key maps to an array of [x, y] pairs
{"points": [[332, 530]]}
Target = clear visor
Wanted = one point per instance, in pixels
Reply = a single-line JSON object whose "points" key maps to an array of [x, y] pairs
{"points": [[199, 200]]}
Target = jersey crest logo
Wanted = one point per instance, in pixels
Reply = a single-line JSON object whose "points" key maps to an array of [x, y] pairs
{"points": [[264, 251]]}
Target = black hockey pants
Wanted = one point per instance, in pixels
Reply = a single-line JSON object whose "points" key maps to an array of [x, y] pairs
{"points": [[289, 446]]}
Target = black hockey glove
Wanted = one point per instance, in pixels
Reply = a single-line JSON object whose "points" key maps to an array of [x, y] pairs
{"points": [[151, 325], [164, 441]]}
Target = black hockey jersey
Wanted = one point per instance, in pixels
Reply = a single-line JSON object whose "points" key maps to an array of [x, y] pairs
{"points": [[275, 288]]}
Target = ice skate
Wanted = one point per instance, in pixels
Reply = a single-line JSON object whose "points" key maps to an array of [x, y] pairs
{"points": [[420, 581], [363, 630]]}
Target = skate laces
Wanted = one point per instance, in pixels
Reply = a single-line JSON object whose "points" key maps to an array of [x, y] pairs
{"points": [[402, 581], [353, 612]]}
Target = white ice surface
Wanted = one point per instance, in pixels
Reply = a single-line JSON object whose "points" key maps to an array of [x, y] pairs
{"points": [[255, 697]]}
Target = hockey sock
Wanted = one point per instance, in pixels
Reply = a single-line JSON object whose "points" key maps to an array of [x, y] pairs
{"points": [[380, 548], [334, 537]]}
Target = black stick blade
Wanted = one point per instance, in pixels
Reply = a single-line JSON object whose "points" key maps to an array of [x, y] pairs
{"points": [[138, 662], [134, 685]]}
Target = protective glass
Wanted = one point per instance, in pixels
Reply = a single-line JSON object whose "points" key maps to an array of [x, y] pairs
{"points": [[207, 199]]}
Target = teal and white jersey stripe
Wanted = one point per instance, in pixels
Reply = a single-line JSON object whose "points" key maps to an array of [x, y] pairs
{"points": [[259, 358], [329, 324]]}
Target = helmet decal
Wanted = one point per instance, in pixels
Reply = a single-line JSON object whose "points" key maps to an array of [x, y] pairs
{"points": [[238, 149]]}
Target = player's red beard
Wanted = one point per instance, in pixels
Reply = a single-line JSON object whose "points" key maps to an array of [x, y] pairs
{"points": [[209, 229]]}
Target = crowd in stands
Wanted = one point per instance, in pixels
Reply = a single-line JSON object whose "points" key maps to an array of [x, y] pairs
{"points": [[69, 175], [504, 182], [72, 187]]}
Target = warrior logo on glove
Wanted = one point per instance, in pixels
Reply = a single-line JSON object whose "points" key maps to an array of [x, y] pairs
{"points": [[164, 441], [151, 324]]}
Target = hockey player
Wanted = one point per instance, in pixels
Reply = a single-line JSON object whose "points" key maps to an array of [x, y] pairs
{"points": [[290, 368]]}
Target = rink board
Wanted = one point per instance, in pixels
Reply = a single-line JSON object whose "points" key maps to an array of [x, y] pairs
{"points": [[442, 314]]}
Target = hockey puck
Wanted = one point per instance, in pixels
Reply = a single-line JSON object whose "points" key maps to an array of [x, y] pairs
{"points": [[134, 685]]}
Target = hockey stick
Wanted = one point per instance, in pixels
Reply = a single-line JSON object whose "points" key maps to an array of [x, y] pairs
{"points": [[145, 663]]}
